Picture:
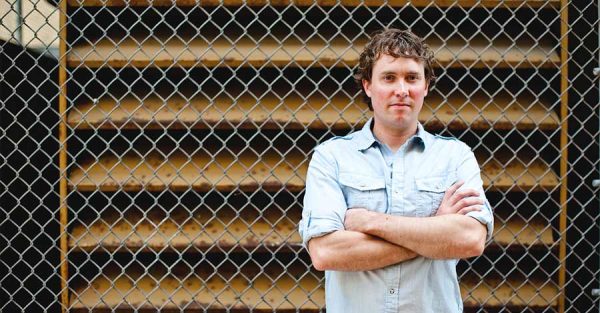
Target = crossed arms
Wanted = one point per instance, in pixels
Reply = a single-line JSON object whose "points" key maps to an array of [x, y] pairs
{"points": [[370, 240], [373, 240]]}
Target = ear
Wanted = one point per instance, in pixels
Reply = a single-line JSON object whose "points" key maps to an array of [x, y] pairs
{"points": [[426, 89], [367, 87]]}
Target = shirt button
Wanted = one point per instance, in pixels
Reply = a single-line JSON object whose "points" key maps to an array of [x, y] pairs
{"points": [[392, 291]]}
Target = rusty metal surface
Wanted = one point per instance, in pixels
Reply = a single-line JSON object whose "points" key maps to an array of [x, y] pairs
{"points": [[520, 173], [189, 232], [245, 111], [249, 230], [189, 51], [533, 293], [200, 171], [482, 112], [502, 112], [194, 51], [376, 3], [262, 291], [523, 233], [180, 172], [133, 289]]}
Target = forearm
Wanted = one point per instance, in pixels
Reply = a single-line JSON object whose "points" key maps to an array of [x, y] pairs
{"points": [[354, 251], [440, 237]]}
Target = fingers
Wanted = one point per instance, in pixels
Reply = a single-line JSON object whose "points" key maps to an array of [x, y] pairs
{"points": [[450, 192], [462, 194], [470, 201], [460, 201], [468, 209]]}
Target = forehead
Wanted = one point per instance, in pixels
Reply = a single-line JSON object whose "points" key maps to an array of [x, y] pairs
{"points": [[388, 63]]}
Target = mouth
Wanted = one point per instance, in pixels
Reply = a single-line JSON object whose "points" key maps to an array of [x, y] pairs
{"points": [[401, 104]]}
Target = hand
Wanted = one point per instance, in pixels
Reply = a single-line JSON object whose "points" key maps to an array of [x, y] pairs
{"points": [[357, 219], [459, 202]]}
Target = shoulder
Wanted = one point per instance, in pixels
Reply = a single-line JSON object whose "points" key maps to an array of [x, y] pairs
{"points": [[448, 140], [450, 144], [336, 143], [333, 149]]}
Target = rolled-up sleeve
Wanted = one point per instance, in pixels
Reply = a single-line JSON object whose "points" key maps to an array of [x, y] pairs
{"points": [[469, 171], [324, 204]]}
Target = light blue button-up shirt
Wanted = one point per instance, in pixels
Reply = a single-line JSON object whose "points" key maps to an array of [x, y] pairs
{"points": [[358, 171]]}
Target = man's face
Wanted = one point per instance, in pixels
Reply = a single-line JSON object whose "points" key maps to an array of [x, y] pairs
{"points": [[397, 90]]}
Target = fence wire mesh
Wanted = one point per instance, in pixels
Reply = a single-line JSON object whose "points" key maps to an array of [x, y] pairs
{"points": [[189, 127]]}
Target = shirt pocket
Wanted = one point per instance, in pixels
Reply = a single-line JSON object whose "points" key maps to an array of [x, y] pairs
{"points": [[430, 192], [362, 191]]}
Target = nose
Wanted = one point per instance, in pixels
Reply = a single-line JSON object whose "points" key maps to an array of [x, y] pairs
{"points": [[401, 90]]}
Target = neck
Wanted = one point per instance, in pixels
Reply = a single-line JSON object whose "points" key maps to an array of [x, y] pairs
{"points": [[394, 138]]}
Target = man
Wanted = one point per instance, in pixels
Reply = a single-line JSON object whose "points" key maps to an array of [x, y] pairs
{"points": [[390, 209]]}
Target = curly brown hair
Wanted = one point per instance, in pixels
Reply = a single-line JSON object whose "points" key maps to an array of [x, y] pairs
{"points": [[396, 43]]}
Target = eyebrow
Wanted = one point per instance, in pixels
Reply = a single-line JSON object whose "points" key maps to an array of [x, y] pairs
{"points": [[407, 73]]}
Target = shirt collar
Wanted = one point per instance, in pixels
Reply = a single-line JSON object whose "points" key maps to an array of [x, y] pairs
{"points": [[422, 136], [365, 138]]}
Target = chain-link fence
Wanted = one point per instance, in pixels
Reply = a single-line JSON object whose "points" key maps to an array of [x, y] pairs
{"points": [[159, 163]]}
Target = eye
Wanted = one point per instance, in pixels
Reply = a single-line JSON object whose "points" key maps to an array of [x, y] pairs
{"points": [[388, 78], [412, 77]]}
